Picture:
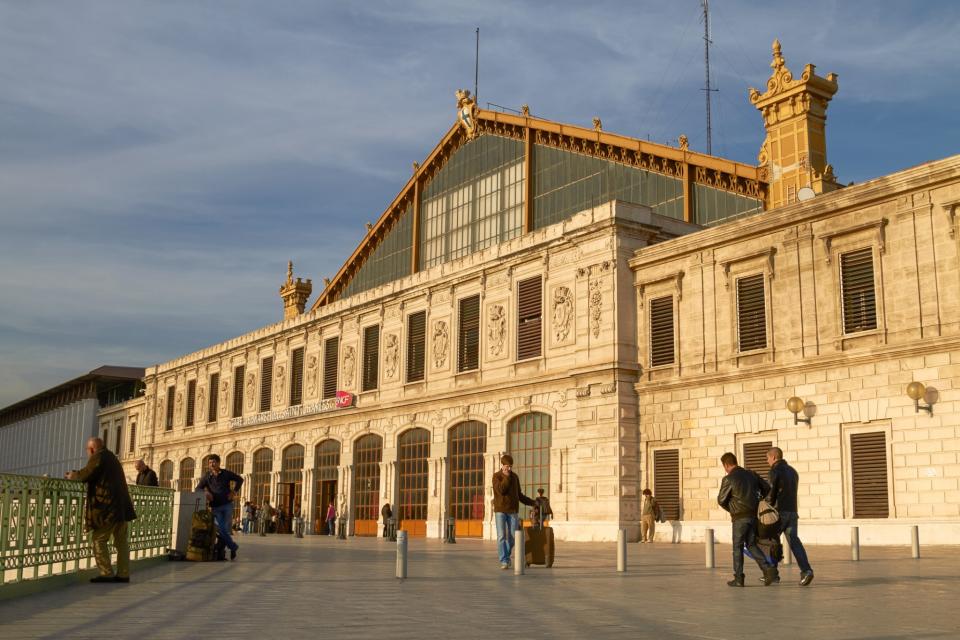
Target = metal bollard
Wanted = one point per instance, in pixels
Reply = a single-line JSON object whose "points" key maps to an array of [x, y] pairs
{"points": [[708, 545], [519, 553], [915, 540], [787, 551], [402, 554], [855, 544], [621, 550], [450, 536]]}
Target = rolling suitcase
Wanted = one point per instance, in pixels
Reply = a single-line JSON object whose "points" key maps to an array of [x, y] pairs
{"points": [[538, 543], [203, 536]]}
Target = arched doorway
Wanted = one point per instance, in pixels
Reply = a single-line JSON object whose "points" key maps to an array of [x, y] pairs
{"points": [[326, 469], [290, 486], [467, 444], [528, 441], [412, 464], [166, 474], [367, 454], [260, 478], [234, 463], [185, 481]]}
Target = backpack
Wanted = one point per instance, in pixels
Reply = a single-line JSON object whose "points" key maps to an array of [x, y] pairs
{"points": [[766, 514]]}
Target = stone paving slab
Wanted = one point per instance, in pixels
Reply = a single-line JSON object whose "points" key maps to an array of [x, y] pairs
{"points": [[318, 587]]}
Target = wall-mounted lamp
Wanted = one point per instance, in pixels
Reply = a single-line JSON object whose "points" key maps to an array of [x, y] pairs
{"points": [[916, 390], [795, 405]]}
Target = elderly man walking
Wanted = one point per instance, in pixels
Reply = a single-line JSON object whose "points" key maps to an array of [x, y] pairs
{"points": [[739, 495], [108, 510], [783, 497], [146, 477]]}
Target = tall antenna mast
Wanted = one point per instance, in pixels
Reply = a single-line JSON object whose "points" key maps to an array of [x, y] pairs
{"points": [[476, 70], [706, 60]]}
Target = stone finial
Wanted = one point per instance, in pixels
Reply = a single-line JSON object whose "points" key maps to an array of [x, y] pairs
{"points": [[683, 142], [597, 124], [294, 294], [416, 166], [525, 110], [369, 227]]}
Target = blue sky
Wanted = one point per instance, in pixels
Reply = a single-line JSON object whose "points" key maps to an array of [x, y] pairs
{"points": [[161, 161]]}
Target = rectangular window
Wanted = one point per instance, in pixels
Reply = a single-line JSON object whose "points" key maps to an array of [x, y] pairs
{"points": [[666, 481], [214, 397], [238, 375], [857, 291], [191, 401], [529, 318], [751, 313], [132, 443], [468, 345], [296, 377], [331, 348], [755, 457], [416, 345], [266, 383], [371, 357], [171, 397], [868, 457], [106, 437], [119, 429], [661, 331]]}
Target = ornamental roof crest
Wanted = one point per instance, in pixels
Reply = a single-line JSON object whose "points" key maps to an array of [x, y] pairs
{"points": [[467, 112], [781, 80]]}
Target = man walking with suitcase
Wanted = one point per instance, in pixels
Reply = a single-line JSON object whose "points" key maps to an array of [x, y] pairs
{"points": [[216, 484], [507, 497], [739, 496], [783, 497]]}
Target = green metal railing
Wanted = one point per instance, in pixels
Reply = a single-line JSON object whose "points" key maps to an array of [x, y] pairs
{"points": [[41, 526]]}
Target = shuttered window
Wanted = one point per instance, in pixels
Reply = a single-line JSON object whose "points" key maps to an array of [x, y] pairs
{"points": [[666, 481], [868, 454], [132, 444], [755, 457], [296, 377], [859, 296], [238, 375], [191, 401], [529, 318], [171, 397], [214, 397], [661, 331], [331, 348], [106, 437], [266, 383], [416, 345], [371, 357], [468, 344], [751, 313]]}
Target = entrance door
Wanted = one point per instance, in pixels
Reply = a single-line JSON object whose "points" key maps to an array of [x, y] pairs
{"points": [[326, 470], [286, 497], [368, 452], [468, 443], [326, 493], [414, 452]]}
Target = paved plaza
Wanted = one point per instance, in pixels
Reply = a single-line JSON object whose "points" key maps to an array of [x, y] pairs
{"points": [[317, 587]]}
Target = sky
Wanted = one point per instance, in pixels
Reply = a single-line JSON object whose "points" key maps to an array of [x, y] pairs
{"points": [[161, 161]]}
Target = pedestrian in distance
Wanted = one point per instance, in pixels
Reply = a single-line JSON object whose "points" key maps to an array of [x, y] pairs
{"points": [[541, 509], [247, 521], [263, 517], [782, 496], [507, 496], [649, 514], [739, 495], [220, 486], [108, 510], [331, 519], [386, 513], [146, 477]]}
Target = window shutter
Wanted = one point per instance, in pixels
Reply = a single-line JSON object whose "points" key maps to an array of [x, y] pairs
{"points": [[132, 444], [416, 345], [468, 345], [661, 331], [751, 313], [529, 318], [171, 398], [371, 357], [331, 348], [214, 397], [755, 457], [191, 401], [106, 438], [296, 377], [266, 383], [859, 297], [238, 375], [868, 453], [666, 481]]}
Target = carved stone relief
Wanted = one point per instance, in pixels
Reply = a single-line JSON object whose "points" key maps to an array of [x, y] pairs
{"points": [[178, 406], [225, 394], [496, 329], [280, 381], [391, 355], [441, 344], [251, 389], [596, 307], [349, 366], [562, 314], [201, 394], [312, 375]]}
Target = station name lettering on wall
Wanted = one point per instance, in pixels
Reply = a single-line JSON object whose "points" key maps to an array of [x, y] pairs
{"points": [[342, 400]]}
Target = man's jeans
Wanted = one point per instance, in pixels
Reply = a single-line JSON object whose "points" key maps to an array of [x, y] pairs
{"points": [[745, 532], [246, 526], [223, 516], [788, 521], [507, 524]]}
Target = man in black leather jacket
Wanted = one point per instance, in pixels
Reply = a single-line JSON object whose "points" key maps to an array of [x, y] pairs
{"points": [[782, 496], [739, 495]]}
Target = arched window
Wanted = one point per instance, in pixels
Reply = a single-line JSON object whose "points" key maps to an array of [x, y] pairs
{"points": [[467, 444], [166, 474], [367, 454], [260, 478], [412, 471], [326, 464], [528, 441], [290, 491], [187, 467]]}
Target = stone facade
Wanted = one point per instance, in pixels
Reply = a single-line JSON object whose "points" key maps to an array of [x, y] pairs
{"points": [[715, 398]]}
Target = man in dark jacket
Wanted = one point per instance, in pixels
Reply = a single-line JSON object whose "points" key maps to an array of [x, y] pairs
{"points": [[782, 496], [739, 495], [507, 497], [146, 477], [221, 487], [108, 510], [386, 513]]}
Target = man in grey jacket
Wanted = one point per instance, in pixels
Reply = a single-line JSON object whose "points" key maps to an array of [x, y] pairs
{"points": [[739, 495]]}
